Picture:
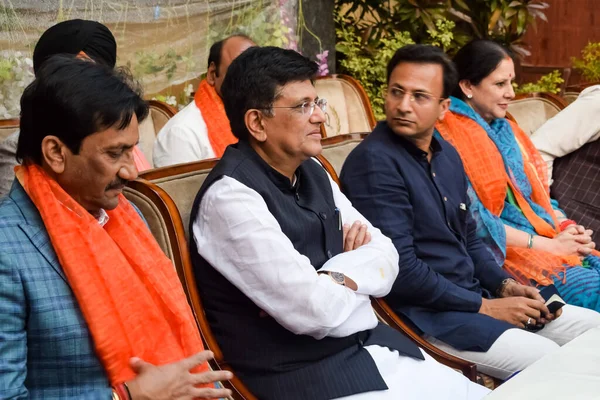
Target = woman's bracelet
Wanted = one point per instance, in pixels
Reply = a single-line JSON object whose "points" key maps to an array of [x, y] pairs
{"points": [[566, 223], [530, 241]]}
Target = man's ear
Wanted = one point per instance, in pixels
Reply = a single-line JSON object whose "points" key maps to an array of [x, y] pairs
{"points": [[54, 153], [211, 74], [255, 122], [444, 106]]}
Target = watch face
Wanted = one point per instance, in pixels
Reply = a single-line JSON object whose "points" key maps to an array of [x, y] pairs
{"points": [[338, 277]]}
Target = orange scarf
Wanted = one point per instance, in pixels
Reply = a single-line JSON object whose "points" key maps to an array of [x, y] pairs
{"points": [[141, 163], [127, 289], [485, 168], [213, 113]]}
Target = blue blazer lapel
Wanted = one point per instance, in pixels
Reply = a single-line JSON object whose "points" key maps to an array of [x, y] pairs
{"points": [[34, 227]]}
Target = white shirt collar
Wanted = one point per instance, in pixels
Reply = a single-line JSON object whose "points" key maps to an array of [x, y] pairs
{"points": [[102, 217]]}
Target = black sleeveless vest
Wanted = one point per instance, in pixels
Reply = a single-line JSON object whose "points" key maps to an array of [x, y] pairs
{"points": [[272, 361]]}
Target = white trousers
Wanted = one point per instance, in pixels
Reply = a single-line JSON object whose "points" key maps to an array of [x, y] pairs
{"points": [[516, 349], [411, 379]]}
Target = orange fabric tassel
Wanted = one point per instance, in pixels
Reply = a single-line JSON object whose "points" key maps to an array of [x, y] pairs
{"points": [[485, 168], [127, 289], [213, 112]]}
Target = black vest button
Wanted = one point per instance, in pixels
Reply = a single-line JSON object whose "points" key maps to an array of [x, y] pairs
{"points": [[323, 215], [329, 255]]}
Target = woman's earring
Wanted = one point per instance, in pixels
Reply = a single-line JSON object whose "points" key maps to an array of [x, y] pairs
{"points": [[469, 96]]}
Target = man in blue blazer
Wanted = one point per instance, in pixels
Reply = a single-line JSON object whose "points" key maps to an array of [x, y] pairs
{"points": [[411, 184], [47, 346]]}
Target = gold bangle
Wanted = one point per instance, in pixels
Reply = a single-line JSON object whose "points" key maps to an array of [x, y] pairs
{"points": [[115, 396]]}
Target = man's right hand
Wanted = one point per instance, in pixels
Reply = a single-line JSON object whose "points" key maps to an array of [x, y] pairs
{"points": [[514, 310], [175, 381]]}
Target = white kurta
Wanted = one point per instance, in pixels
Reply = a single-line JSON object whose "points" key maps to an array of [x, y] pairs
{"points": [[573, 127], [184, 138]]}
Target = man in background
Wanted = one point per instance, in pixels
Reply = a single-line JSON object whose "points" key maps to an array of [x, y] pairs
{"points": [[86, 39], [201, 130]]}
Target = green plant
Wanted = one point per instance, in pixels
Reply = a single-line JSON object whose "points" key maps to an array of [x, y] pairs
{"points": [[261, 21], [549, 83], [505, 21], [442, 36], [368, 65], [589, 64]]}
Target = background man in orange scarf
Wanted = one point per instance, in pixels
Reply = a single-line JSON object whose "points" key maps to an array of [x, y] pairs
{"points": [[89, 304], [201, 130], [86, 39]]}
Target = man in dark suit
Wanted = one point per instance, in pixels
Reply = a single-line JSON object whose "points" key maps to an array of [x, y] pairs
{"points": [[411, 184]]}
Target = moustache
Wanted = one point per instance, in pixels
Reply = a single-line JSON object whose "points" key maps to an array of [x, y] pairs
{"points": [[117, 184]]}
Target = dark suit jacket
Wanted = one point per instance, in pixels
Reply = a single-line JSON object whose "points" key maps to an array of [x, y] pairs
{"points": [[445, 270]]}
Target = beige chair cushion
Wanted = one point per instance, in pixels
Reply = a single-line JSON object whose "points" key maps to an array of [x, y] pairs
{"points": [[570, 96], [337, 153], [147, 137], [183, 189], [345, 110], [531, 113], [159, 117], [6, 131], [155, 221]]}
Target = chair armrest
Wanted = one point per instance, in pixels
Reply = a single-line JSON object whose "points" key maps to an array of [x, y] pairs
{"points": [[388, 316]]}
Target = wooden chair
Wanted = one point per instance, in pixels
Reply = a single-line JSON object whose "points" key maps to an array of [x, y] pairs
{"points": [[348, 106], [160, 194], [572, 92], [533, 109], [337, 148], [8, 127], [385, 314], [160, 113]]}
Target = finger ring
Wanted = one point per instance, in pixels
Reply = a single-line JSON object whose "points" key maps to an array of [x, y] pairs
{"points": [[528, 321]]}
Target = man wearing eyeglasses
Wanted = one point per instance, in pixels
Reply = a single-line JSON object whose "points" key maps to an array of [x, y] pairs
{"points": [[411, 184], [284, 279]]}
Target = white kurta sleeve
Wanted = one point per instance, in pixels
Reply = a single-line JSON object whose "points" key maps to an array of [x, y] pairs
{"points": [[240, 238], [570, 129], [373, 266]]}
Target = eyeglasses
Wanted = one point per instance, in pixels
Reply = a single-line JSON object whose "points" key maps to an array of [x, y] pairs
{"points": [[307, 108], [421, 98]]}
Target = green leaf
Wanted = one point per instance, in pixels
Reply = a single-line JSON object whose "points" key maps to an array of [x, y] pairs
{"points": [[462, 5], [494, 19], [521, 21], [515, 4]]}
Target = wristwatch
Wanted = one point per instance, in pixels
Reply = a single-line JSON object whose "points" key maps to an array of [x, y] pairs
{"points": [[500, 290], [337, 277]]}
